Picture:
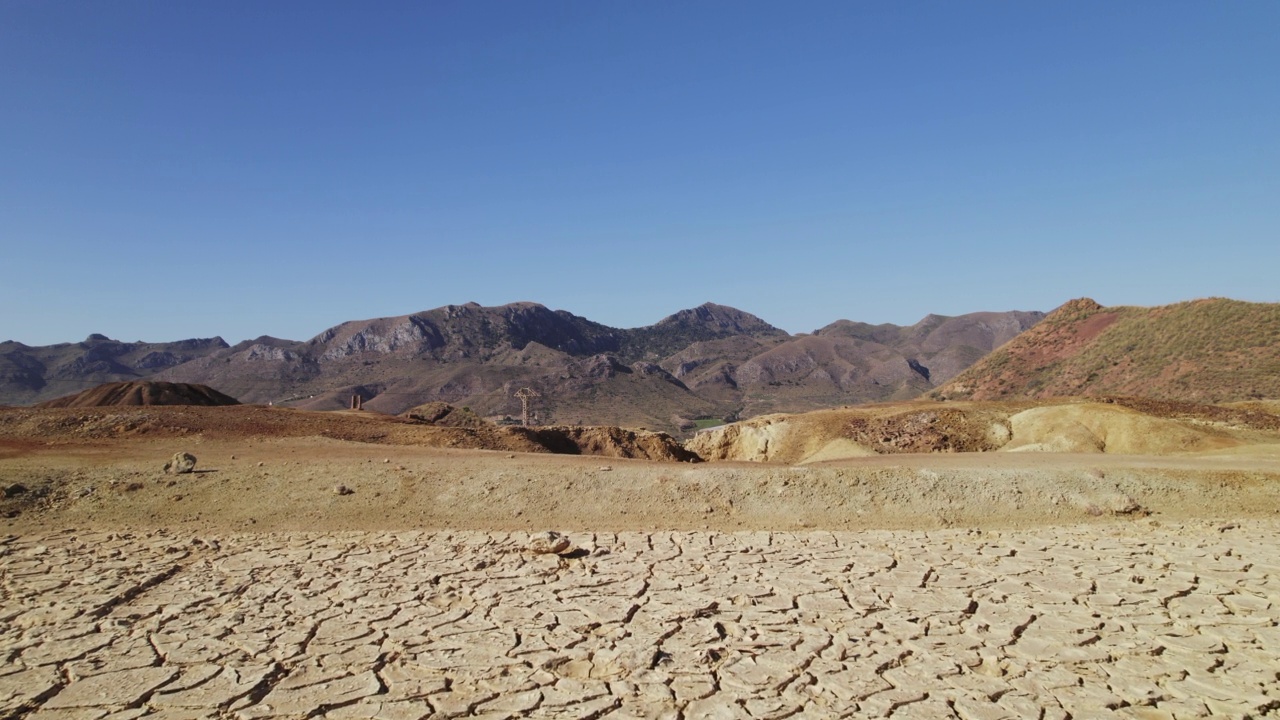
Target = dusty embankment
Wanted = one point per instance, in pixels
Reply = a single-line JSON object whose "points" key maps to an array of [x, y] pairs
{"points": [[1127, 426], [292, 484], [270, 469]]}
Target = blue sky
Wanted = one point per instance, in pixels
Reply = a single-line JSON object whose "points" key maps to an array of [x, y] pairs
{"points": [[177, 169]]}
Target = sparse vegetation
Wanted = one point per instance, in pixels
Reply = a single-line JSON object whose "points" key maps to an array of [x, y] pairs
{"points": [[1212, 350]]}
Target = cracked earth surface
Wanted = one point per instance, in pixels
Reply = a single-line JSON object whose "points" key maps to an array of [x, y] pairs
{"points": [[1130, 619]]}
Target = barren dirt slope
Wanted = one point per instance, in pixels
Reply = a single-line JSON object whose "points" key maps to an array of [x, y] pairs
{"points": [[1213, 350], [1130, 426], [142, 392]]}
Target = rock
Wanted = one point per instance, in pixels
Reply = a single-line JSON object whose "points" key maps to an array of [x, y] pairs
{"points": [[342, 490], [14, 490], [181, 463], [1124, 505], [549, 542]]}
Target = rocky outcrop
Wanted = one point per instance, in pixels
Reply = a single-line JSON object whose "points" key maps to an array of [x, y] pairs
{"points": [[444, 415], [612, 442]]}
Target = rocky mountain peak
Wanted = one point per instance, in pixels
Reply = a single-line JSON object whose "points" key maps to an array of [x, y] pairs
{"points": [[1078, 306], [720, 318]]}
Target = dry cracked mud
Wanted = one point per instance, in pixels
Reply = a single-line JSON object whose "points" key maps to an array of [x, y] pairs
{"points": [[1129, 619]]}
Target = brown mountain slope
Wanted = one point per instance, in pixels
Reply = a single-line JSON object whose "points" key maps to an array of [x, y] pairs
{"points": [[478, 357], [142, 392], [31, 374], [1213, 350], [706, 323], [708, 361], [940, 347], [849, 363]]}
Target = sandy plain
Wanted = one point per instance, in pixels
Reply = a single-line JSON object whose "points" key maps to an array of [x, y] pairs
{"points": [[932, 586]]}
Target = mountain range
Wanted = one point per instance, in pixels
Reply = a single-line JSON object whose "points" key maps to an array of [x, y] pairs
{"points": [[711, 361], [34, 374]]}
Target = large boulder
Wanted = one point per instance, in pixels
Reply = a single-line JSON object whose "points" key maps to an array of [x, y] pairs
{"points": [[181, 463]]}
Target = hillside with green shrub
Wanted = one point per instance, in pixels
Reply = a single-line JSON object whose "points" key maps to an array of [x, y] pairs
{"points": [[1214, 350]]}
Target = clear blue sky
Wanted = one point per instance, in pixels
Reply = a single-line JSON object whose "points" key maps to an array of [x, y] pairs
{"points": [[176, 169]]}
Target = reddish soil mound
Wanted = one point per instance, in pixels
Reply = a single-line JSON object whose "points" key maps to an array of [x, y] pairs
{"points": [[143, 392], [612, 442], [945, 429], [1258, 417], [445, 415]]}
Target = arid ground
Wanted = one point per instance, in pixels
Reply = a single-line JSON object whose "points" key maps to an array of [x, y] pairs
{"points": [[354, 569]]}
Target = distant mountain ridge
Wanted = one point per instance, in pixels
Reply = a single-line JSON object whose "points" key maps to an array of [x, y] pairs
{"points": [[1211, 351], [31, 374], [708, 361]]}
